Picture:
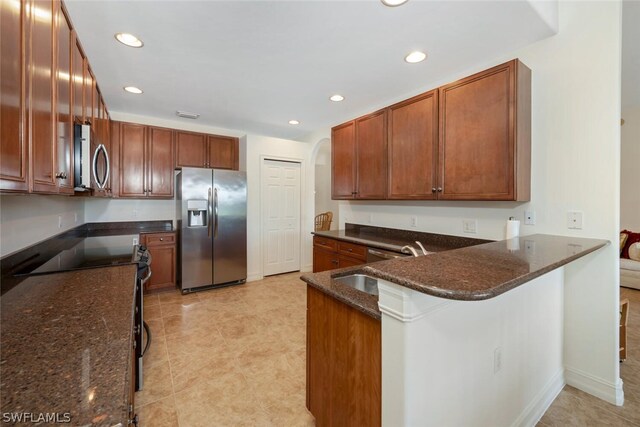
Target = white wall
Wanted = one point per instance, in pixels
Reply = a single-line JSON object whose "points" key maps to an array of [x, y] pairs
{"points": [[575, 166], [108, 210], [629, 175], [29, 219], [322, 184]]}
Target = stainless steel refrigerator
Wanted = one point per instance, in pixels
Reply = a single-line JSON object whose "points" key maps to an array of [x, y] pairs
{"points": [[212, 222]]}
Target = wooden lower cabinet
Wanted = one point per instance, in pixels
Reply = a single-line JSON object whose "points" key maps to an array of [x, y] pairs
{"points": [[344, 363], [329, 254], [162, 247]]}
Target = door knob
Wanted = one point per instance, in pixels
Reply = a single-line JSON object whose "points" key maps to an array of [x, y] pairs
{"points": [[439, 189], [433, 189]]}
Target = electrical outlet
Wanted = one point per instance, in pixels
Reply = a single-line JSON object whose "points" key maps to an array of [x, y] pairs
{"points": [[497, 360], [135, 241], [413, 221], [574, 220], [470, 226], [135, 213], [59, 221], [530, 217], [75, 217], [370, 218]]}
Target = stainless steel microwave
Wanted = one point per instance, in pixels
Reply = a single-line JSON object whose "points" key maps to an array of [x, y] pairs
{"points": [[89, 168]]}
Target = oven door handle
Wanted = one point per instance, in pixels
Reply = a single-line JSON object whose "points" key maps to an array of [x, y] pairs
{"points": [[146, 279], [148, 331]]}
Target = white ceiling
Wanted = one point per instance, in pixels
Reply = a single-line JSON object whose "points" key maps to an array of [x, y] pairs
{"points": [[630, 54], [255, 65]]}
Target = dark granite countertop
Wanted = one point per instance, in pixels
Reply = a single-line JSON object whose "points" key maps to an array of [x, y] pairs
{"points": [[472, 273], [66, 343], [394, 239]]}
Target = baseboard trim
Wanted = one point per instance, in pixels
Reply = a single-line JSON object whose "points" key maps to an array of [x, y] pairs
{"points": [[539, 405], [254, 277], [612, 393]]}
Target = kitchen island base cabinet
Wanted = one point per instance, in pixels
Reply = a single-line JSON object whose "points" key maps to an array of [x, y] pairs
{"points": [[343, 363]]}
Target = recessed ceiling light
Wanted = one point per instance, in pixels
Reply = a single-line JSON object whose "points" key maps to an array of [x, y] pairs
{"points": [[133, 89], [393, 3], [414, 57], [129, 40], [337, 98], [294, 122]]}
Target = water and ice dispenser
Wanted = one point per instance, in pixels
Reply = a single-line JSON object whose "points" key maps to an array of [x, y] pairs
{"points": [[197, 213]]}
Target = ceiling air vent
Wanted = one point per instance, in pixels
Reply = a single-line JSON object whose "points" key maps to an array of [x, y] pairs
{"points": [[187, 115]]}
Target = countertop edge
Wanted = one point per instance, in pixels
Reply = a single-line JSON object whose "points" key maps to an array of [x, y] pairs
{"points": [[484, 295], [342, 297]]}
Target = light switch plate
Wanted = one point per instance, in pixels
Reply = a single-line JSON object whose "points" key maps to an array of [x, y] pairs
{"points": [[574, 220], [413, 221]]}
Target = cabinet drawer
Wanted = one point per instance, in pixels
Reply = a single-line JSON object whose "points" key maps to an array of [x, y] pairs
{"points": [[352, 250], [156, 239], [326, 243]]}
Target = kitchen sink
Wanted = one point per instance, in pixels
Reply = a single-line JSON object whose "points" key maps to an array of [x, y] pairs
{"points": [[361, 282]]}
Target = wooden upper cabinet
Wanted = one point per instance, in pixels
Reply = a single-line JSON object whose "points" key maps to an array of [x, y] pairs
{"points": [[191, 149], [41, 106], [64, 126], [78, 83], [485, 137], [88, 93], [413, 145], [343, 163], [371, 155], [160, 162], [13, 142], [223, 152], [206, 151], [132, 152]]}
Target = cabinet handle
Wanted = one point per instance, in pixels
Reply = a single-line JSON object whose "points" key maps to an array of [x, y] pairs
{"points": [[350, 250], [433, 189], [161, 239], [439, 189], [334, 261]]}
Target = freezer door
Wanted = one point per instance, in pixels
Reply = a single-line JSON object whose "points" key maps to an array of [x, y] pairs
{"points": [[229, 226], [196, 251]]}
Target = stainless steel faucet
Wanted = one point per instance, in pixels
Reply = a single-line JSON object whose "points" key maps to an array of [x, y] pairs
{"points": [[409, 249]]}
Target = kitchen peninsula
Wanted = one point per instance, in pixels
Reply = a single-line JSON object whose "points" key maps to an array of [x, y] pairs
{"points": [[460, 328]]}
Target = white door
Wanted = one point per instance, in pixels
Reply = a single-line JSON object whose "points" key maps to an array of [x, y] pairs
{"points": [[281, 216]]}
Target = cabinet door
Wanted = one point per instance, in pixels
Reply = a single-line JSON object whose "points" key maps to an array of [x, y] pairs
{"points": [[114, 157], [477, 136], [324, 260], [163, 266], [132, 160], [343, 157], [160, 162], [223, 152], [13, 144], [41, 102], [413, 147], [64, 127], [78, 83], [371, 156], [88, 92], [191, 149]]}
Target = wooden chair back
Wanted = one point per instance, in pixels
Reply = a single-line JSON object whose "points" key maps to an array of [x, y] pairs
{"points": [[323, 221]]}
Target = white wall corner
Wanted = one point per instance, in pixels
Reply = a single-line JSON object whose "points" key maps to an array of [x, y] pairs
{"points": [[605, 390], [547, 10]]}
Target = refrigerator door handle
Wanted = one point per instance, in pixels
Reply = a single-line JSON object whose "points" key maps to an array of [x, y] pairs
{"points": [[215, 208], [209, 213]]}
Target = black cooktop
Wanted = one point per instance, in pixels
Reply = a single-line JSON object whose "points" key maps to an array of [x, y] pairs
{"points": [[87, 252]]}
